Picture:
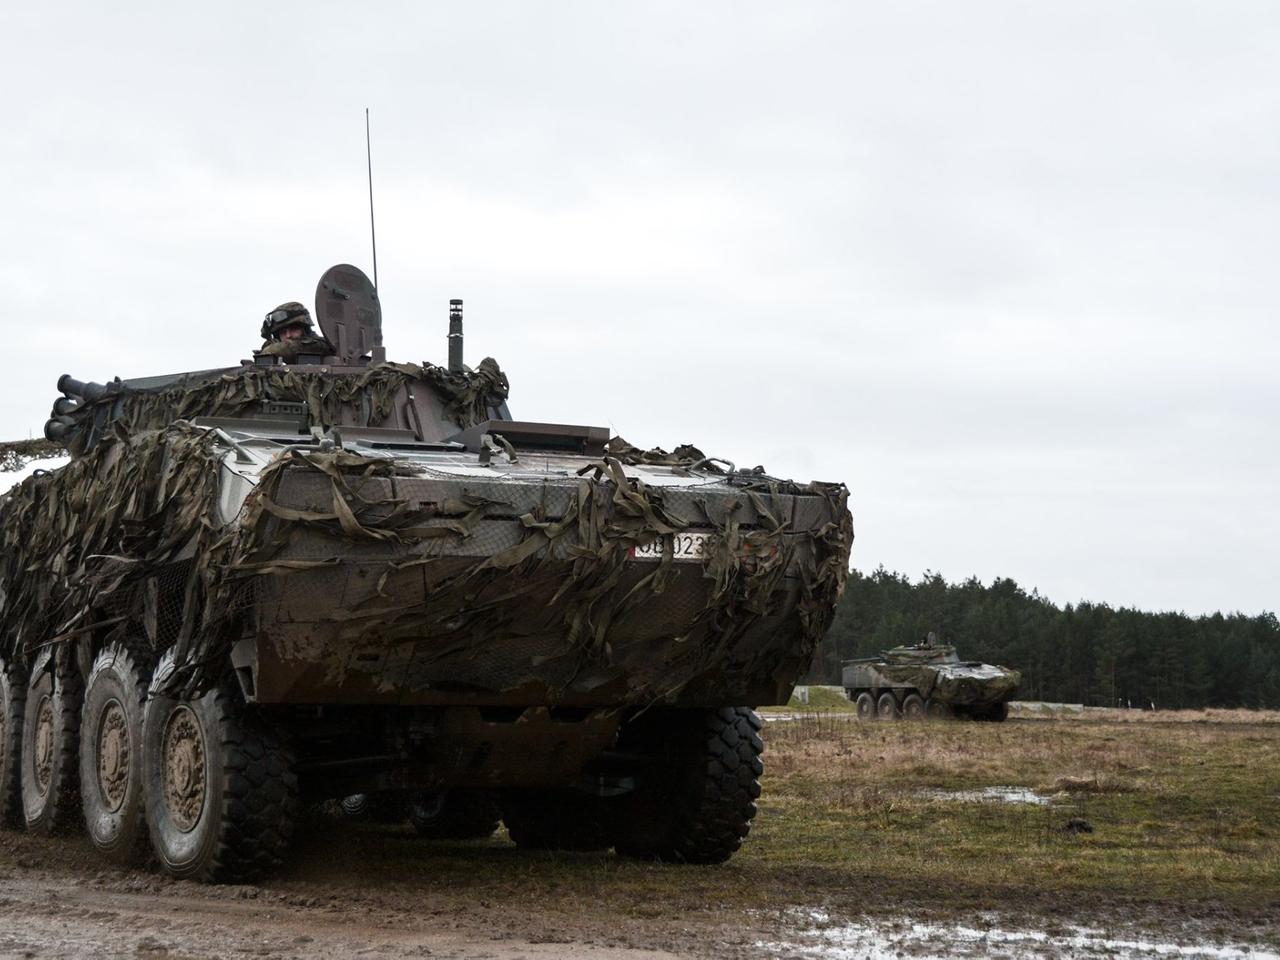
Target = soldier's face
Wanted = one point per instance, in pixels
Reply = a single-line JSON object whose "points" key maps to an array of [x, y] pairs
{"points": [[291, 333]]}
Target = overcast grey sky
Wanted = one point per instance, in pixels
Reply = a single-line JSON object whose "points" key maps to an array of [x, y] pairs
{"points": [[1008, 270]]}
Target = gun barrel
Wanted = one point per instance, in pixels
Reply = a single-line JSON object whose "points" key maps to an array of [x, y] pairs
{"points": [[58, 429], [81, 389]]}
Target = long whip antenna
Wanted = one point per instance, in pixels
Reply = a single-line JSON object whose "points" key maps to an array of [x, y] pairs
{"points": [[373, 233]]}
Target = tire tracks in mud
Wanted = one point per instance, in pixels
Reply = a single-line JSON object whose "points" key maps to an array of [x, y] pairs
{"points": [[43, 917], [46, 911]]}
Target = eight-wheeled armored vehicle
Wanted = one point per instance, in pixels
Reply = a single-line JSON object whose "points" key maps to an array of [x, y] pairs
{"points": [[275, 583], [928, 680]]}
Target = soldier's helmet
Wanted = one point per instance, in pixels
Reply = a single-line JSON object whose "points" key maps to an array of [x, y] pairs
{"points": [[289, 314]]}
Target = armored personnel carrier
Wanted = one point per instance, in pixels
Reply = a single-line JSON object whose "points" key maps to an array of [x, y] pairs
{"points": [[270, 584], [928, 680]]}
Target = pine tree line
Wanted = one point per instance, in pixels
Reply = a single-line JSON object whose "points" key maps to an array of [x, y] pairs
{"points": [[1087, 653]]}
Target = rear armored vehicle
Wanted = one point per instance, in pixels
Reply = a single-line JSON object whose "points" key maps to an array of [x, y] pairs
{"points": [[928, 680], [321, 575]]}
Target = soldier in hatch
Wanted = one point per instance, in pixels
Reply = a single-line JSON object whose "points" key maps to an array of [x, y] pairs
{"points": [[289, 334]]}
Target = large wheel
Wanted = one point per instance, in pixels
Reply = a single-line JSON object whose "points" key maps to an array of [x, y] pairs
{"points": [[997, 714], [50, 747], [887, 707], [698, 801], [13, 697], [220, 791], [865, 706], [913, 707], [456, 815], [111, 752], [555, 820]]}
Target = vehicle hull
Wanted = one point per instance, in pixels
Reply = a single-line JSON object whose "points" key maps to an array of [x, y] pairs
{"points": [[494, 610]]}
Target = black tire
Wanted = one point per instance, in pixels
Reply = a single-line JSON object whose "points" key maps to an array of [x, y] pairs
{"points": [[50, 750], [13, 698], [456, 815], [913, 707], [556, 820], [111, 752], [997, 714], [700, 798], [887, 707], [865, 706], [220, 790]]}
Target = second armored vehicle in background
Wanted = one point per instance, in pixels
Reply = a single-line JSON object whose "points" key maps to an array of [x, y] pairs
{"points": [[928, 680]]}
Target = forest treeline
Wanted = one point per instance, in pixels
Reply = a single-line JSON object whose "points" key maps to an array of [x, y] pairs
{"points": [[1085, 653]]}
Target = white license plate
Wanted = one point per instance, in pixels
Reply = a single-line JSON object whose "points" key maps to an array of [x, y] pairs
{"points": [[685, 546]]}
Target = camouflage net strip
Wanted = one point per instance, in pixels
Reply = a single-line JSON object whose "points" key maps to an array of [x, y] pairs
{"points": [[467, 397]]}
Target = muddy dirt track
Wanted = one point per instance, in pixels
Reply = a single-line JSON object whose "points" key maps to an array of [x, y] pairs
{"points": [[57, 900], [359, 891]]}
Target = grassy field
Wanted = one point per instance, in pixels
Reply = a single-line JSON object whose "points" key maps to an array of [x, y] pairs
{"points": [[821, 699], [1181, 812], [855, 820]]}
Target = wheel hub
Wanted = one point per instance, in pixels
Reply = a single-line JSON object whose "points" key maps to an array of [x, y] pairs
{"points": [[113, 756], [184, 768], [43, 765]]}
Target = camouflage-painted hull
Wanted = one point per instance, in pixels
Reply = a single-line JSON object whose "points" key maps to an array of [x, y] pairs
{"points": [[962, 684]]}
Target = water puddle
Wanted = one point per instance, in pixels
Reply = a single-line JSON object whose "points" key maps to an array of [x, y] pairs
{"points": [[987, 795], [892, 939]]}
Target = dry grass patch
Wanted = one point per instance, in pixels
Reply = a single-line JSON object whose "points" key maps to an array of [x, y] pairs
{"points": [[1249, 717], [1178, 811]]}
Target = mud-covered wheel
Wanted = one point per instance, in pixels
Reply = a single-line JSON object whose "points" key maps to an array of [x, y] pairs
{"points": [[865, 706], [887, 707], [699, 798], [455, 815], [111, 752], [13, 697], [50, 750], [937, 710], [220, 791], [555, 820], [913, 707]]}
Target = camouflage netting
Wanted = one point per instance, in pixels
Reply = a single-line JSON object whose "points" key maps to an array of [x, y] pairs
{"points": [[466, 396], [78, 545], [127, 538], [594, 596]]}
